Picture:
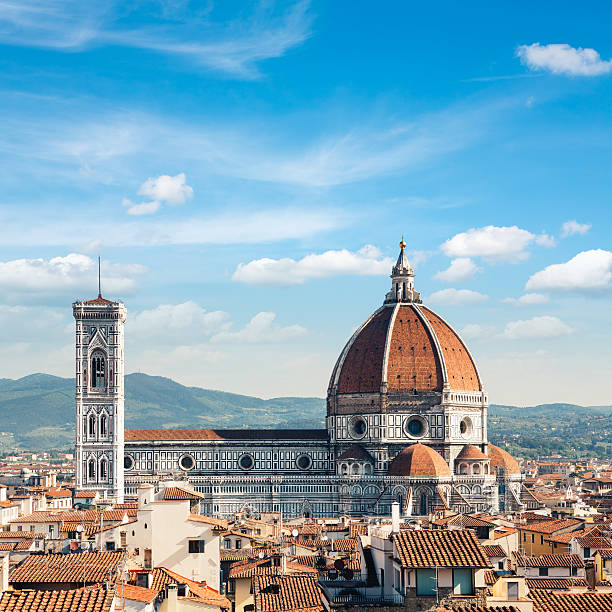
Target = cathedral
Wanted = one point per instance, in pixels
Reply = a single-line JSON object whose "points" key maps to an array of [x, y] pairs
{"points": [[406, 421]]}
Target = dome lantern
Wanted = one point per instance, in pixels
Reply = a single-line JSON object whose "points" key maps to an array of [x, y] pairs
{"points": [[402, 280]]}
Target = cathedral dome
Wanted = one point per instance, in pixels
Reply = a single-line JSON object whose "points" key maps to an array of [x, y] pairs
{"points": [[404, 347], [419, 461], [504, 460], [469, 451]]}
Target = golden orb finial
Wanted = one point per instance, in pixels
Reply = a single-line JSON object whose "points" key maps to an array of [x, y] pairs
{"points": [[402, 244]]}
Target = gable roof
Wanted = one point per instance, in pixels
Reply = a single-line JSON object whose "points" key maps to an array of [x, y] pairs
{"points": [[287, 593], [522, 560], [440, 548], [77, 567], [84, 600], [551, 601]]}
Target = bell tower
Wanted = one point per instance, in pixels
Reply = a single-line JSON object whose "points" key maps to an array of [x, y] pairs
{"points": [[99, 396]]}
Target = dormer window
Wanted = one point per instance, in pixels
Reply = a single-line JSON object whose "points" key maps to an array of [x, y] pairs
{"points": [[98, 370]]}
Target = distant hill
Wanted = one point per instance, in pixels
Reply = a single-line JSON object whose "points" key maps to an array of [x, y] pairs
{"points": [[37, 412]]}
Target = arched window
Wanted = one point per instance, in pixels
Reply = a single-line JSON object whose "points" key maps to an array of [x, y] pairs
{"points": [[92, 425], [103, 469], [355, 468], [486, 468], [103, 425], [367, 468], [91, 469], [477, 490], [343, 469], [98, 370], [476, 468], [463, 468]]}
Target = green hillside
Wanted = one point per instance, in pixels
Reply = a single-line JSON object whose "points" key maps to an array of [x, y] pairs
{"points": [[37, 412]]}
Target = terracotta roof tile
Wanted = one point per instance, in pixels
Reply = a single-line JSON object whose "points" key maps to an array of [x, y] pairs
{"points": [[180, 494], [469, 451], [288, 593], [215, 522], [144, 435], [78, 567], [419, 461], [555, 583], [440, 548], [550, 526], [494, 550], [81, 600], [356, 451], [135, 593], [522, 560], [551, 601]]}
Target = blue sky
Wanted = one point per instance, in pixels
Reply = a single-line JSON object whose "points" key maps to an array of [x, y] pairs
{"points": [[246, 171]]}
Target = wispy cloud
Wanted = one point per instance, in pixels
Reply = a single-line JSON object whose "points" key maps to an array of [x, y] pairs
{"points": [[234, 47], [233, 227]]}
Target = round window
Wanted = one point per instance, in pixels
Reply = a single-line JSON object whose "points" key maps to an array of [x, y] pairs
{"points": [[246, 462], [128, 462], [466, 427], [304, 462], [358, 427], [416, 427], [187, 462]]}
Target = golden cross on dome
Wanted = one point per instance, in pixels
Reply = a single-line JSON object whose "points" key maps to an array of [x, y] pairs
{"points": [[402, 244]]}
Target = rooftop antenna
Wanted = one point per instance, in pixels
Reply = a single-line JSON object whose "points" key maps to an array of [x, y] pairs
{"points": [[99, 282]]}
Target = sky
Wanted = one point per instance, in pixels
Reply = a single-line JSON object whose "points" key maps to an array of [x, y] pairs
{"points": [[246, 171]]}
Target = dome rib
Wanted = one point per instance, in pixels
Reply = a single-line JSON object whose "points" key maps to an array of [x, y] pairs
{"points": [[385, 367], [419, 461]]}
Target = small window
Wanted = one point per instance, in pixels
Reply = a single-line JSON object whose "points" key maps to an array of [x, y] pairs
{"points": [[196, 546], [542, 571], [103, 425], [238, 544], [227, 544]]}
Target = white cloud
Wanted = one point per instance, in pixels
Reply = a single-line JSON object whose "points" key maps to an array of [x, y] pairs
{"points": [[473, 331], [563, 59], [571, 228], [288, 272], [545, 240], [186, 323], [456, 297], [587, 271], [528, 299], [59, 275], [460, 270], [234, 47], [146, 208], [536, 328], [171, 189], [493, 243], [261, 329]]}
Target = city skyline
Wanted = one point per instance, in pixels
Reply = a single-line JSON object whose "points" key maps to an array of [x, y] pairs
{"points": [[246, 176]]}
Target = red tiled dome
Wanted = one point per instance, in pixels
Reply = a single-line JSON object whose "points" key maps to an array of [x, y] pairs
{"points": [[502, 459], [419, 461], [469, 451], [404, 346]]}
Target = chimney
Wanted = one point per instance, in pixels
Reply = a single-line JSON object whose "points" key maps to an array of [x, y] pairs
{"points": [[172, 596], [4, 573], [283, 564], [395, 517], [146, 495]]}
